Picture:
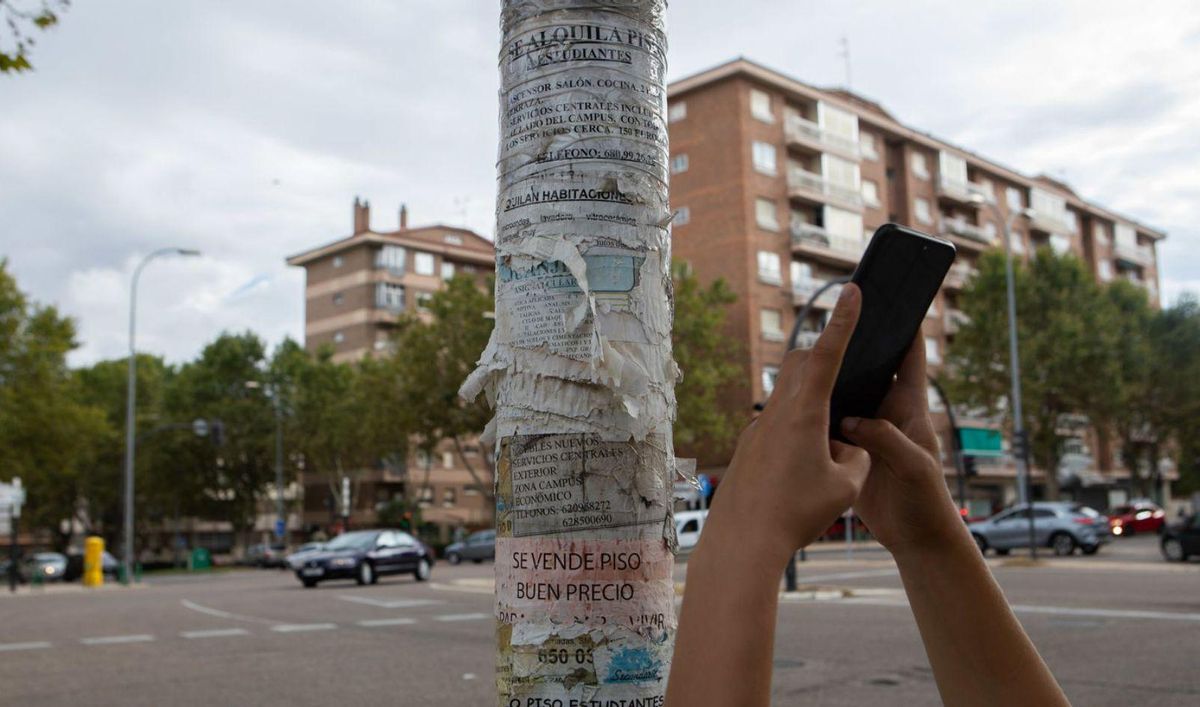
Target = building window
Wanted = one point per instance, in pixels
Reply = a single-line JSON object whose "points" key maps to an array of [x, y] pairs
{"points": [[423, 300], [1105, 271], [769, 268], [933, 400], [933, 352], [989, 230], [772, 324], [1012, 197], [677, 111], [389, 296], [392, 258], [338, 337], [769, 374], [425, 496], [449, 498], [423, 263], [447, 269], [1100, 234], [337, 261], [842, 173], [337, 298], [801, 273], [760, 106], [766, 214], [682, 215], [764, 157], [447, 460], [845, 226], [1060, 244], [920, 167], [679, 163], [870, 193], [1017, 242], [921, 211], [866, 143]]}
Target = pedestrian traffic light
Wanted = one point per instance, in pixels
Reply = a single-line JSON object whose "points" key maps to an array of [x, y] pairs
{"points": [[216, 431], [969, 467]]}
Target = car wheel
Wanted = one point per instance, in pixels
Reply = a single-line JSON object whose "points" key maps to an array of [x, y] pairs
{"points": [[1062, 544], [366, 574], [309, 583], [1002, 552], [453, 558], [422, 571], [1172, 549], [1091, 549], [981, 543], [477, 560]]}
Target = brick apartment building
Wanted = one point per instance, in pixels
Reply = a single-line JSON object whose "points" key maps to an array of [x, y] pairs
{"points": [[356, 288], [778, 186]]}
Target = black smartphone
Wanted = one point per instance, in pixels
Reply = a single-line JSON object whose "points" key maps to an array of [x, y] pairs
{"points": [[899, 276]]}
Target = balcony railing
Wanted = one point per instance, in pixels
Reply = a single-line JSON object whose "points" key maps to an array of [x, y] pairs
{"points": [[953, 320], [808, 235], [810, 183], [966, 229], [1048, 222], [959, 274], [962, 191], [803, 290], [1135, 253], [799, 129]]}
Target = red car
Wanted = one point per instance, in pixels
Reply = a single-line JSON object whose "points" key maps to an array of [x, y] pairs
{"points": [[1138, 517]]}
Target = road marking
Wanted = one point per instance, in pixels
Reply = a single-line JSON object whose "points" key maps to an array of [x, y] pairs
{"points": [[189, 604], [371, 623], [28, 646], [847, 575], [1086, 612], [467, 588], [461, 617], [215, 633], [296, 628], [389, 603], [113, 640]]}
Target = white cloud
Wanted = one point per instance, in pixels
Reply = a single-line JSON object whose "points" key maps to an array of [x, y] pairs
{"points": [[246, 129]]}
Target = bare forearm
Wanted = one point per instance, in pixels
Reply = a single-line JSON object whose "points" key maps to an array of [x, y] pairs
{"points": [[727, 628], [979, 653]]}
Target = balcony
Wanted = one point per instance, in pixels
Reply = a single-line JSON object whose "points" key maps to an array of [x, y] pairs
{"points": [[953, 320], [1136, 254], [961, 192], [802, 132], [957, 278], [959, 226], [803, 290], [818, 243], [1048, 222], [814, 187]]}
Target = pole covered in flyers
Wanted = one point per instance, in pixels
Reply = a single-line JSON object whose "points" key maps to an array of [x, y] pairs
{"points": [[579, 367]]}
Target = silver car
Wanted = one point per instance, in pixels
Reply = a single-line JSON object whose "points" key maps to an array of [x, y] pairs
{"points": [[1061, 526]]}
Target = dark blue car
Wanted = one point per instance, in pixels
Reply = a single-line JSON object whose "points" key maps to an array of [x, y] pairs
{"points": [[365, 555]]}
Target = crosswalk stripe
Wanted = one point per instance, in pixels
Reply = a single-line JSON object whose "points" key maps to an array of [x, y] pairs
{"points": [[113, 640], [460, 617], [215, 633], [371, 623], [27, 646], [295, 628]]}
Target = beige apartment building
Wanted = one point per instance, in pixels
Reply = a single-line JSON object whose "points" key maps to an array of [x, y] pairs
{"points": [[356, 290], [778, 186]]}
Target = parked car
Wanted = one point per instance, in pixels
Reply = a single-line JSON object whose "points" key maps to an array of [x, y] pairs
{"points": [[688, 526], [1182, 541], [266, 555], [1137, 517], [296, 559], [109, 566], [1061, 526], [365, 555], [478, 546], [44, 567]]}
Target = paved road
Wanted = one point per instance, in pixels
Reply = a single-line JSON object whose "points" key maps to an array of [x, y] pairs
{"points": [[1120, 628]]}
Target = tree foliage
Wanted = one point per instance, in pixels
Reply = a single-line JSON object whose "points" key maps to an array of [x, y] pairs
{"points": [[22, 20], [705, 356]]}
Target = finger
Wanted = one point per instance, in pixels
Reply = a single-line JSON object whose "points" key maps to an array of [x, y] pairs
{"points": [[911, 375], [884, 441], [790, 370], [854, 463], [825, 359]]}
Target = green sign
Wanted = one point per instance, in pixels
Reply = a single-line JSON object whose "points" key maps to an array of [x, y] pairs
{"points": [[200, 559], [981, 442]]}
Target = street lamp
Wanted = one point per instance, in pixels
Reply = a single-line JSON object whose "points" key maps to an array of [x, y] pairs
{"points": [[1024, 489], [271, 390], [131, 403]]}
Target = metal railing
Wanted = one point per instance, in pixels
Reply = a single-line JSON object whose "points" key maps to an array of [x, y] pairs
{"points": [[800, 129], [1137, 253], [801, 179], [961, 227]]}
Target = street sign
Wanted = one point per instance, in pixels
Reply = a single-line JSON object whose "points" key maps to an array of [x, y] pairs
{"points": [[705, 484], [280, 527], [981, 442], [200, 427]]}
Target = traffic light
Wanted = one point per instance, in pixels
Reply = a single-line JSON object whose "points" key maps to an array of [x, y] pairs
{"points": [[969, 467], [216, 431], [1020, 445]]}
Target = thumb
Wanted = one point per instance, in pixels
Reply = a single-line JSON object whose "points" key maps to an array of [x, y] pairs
{"points": [[884, 441]]}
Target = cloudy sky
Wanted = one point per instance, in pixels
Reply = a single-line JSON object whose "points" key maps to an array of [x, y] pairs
{"points": [[245, 128]]}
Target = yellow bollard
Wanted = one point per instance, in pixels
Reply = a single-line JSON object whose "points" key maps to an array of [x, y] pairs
{"points": [[93, 564]]}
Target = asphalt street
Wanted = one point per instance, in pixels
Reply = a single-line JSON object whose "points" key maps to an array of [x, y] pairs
{"points": [[1119, 628]]}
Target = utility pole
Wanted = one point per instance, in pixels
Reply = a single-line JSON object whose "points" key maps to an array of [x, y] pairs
{"points": [[579, 366]]}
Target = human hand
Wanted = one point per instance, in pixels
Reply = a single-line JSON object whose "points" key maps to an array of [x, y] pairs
{"points": [[788, 480], [905, 501]]}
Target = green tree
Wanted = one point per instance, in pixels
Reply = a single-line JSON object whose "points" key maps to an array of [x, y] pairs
{"points": [[1067, 348], [23, 19], [705, 356], [47, 437], [432, 355], [1175, 376]]}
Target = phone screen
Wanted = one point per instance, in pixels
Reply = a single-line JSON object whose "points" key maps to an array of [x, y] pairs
{"points": [[899, 276]]}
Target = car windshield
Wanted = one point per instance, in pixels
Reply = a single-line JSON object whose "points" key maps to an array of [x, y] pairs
{"points": [[361, 540], [1085, 510]]}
